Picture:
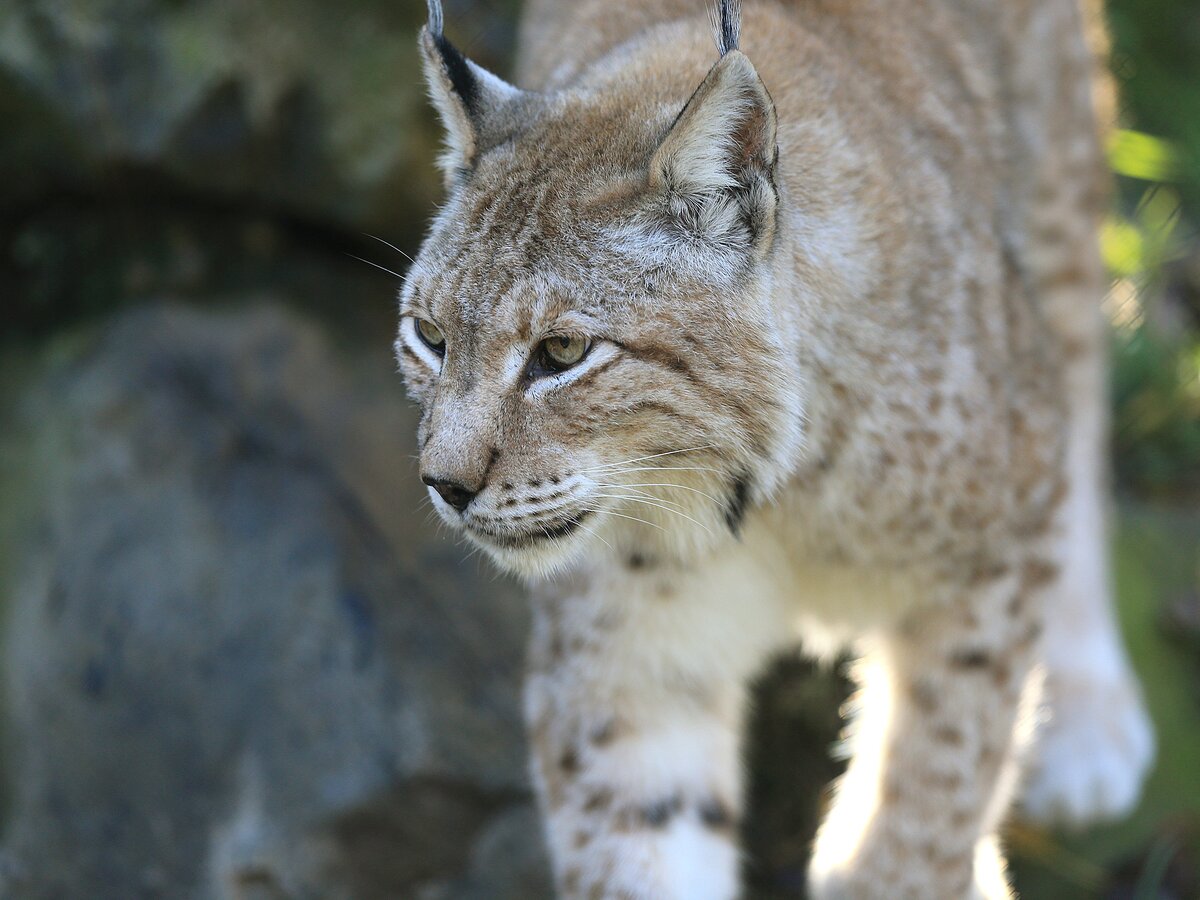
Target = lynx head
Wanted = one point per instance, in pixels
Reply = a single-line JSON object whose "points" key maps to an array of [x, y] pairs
{"points": [[588, 327]]}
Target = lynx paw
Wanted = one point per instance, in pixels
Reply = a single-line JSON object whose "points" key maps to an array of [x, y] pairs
{"points": [[1091, 757]]}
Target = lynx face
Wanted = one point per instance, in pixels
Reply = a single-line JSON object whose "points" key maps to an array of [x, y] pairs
{"points": [[587, 328]]}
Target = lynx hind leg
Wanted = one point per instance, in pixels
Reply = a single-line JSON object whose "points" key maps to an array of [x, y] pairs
{"points": [[935, 748], [1095, 743]]}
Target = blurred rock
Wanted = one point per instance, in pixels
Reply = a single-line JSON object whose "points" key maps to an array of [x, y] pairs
{"points": [[238, 663], [157, 147], [316, 108]]}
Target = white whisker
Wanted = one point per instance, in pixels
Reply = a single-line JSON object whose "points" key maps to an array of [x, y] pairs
{"points": [[657, 506], [682, 487], [639, 499], [651, 456], [390, 244], [376, 265], [593, 533], [625, 487], [666, 469], [604, 511]]}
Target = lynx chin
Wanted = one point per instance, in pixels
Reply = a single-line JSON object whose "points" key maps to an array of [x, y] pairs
{"points": [[794, 339]]}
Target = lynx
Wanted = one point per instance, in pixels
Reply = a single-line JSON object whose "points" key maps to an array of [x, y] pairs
{"points": [[794, 339]]}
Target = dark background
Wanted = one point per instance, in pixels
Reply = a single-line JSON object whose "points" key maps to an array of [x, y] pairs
{"points": [[239, 660]]}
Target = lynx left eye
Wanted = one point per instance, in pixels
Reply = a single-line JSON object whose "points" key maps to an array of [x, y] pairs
{"points": [[431, 335], [560, 352]]}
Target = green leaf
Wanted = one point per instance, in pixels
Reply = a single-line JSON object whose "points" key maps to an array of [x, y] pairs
{"points": [[1139, 155], [1123, 246]]}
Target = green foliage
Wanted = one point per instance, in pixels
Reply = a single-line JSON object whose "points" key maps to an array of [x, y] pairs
{"points": [[1156, 363], [1156, 59], [1141, 156], [1156, 413], [1156, 369]]}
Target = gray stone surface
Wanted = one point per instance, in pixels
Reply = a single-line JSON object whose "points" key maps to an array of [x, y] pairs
{"points": [[238, 662], [314, 106]]}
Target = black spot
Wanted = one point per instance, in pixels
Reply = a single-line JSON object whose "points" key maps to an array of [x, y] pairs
{"points": [[604, 734], [462, 80], [569, 760], [971, 659], [639, 561], [737, 503], [493, 458], [924, 695], [949, 734], [598, 801], [657, 815], [716, 815]]}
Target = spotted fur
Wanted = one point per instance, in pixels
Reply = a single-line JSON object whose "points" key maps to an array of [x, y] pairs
{"points": [[845, 383]]}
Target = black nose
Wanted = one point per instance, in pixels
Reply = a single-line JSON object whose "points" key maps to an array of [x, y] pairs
{"points": [[452, 492]]}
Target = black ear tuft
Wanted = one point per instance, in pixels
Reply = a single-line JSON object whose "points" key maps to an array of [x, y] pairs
{"points": [[436, 21], [476, 107], [462, 79], [726, 18]]}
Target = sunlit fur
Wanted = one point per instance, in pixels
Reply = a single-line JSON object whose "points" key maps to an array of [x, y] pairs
{"points": [[846, 383]]}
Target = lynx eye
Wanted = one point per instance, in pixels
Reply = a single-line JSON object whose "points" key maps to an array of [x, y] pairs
{"points": [[431, 335], [562, 351]]}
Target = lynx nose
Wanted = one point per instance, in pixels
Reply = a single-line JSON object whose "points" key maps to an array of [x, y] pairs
{"points": [[457, 495]]}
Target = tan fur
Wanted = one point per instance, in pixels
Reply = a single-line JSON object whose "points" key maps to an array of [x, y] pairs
{"points": [[846, 382]]}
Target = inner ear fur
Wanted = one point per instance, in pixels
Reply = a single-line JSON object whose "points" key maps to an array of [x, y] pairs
{"points": [[722, 147], [727, 127]]}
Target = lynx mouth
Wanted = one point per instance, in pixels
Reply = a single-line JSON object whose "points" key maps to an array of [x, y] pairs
{"points": [[552, 531]]}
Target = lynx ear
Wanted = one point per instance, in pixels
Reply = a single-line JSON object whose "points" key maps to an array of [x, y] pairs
{"points": [[718, 160], [473, 103]]}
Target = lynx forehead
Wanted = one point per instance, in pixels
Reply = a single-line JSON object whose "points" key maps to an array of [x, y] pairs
{"points": [[794, 337]]}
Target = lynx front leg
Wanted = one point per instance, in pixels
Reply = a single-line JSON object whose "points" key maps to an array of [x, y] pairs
{"points": [[933, 749], [634, 705]]}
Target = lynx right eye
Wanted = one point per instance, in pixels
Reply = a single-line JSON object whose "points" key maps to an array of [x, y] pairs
{"points": [[559, 353], [432, 336]]}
